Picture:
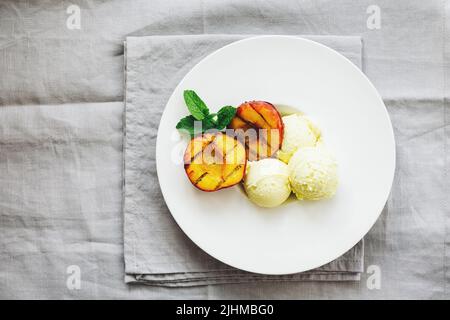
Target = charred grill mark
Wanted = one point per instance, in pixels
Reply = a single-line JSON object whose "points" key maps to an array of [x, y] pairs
{"points": [[218, 149], [199, 179], [224, 179], [252, 125], [230, 150], [267, 139], [264, 139], [203, 148], [236, 168], [260, 115], [251, 151]]}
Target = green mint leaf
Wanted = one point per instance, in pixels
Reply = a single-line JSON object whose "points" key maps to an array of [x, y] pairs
{"points": [[209, 122], [195, 105], [224, 116], [187, 124]]}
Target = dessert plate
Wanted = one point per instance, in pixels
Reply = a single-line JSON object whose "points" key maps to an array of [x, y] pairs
{"points": [[297, 236]]}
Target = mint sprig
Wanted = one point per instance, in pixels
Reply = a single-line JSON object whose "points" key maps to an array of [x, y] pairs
{"points": [[195, 105], [224, 116], [200, 113]]}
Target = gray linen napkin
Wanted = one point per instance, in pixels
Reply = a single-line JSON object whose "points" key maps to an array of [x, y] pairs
{"points": [[156, 251]]}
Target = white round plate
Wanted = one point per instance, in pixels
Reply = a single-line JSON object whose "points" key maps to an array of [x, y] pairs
{"points": [[297, 236]]}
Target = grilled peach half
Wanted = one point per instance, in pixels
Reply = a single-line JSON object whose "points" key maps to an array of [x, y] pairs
{"points": [[259, 125], [214, 161]]}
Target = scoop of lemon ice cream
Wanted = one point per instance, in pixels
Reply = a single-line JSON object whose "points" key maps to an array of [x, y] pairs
{"points": [[267, 182], [313, 173], [299, 131]]}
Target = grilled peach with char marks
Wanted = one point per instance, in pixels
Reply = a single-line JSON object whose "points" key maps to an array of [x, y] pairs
{"points": [[259, 125], [215, 161]]}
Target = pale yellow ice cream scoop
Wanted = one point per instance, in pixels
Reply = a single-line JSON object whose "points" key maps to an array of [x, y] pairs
{"points": [[313, 173], [267, 182], [299, 131]]}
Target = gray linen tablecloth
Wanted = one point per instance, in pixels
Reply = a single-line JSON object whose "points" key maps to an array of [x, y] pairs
{"points": [[61, 93], [157, 252]]}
